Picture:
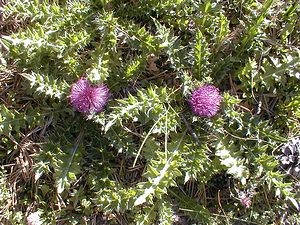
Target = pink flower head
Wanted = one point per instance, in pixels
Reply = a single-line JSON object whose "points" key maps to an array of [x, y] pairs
{"points": [[205, 101], [245, 201], [86, 98]]}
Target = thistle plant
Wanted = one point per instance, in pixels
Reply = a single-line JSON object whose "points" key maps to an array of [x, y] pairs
{"points": [[181, 103]]}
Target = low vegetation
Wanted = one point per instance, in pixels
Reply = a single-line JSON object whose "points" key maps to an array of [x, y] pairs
{"points": [[145, 155]]}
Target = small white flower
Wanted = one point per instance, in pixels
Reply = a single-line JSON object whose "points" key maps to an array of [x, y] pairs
{"points": [[34, 219]]}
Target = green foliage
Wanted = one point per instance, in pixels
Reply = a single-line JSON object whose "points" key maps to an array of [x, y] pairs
{"points": [[149, 105], [161, 172], [116, 199], [5, 193], [146, 159], [165, 212]]}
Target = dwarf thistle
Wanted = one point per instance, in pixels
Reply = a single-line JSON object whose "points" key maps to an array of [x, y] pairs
{"points": [[205, 101], [86, 98]]}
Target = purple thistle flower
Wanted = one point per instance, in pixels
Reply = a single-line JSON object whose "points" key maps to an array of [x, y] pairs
{"points": [[86, 98], [205, 101]]}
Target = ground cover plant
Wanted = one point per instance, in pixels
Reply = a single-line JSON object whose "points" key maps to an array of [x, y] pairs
{"points": [[149, 112]]}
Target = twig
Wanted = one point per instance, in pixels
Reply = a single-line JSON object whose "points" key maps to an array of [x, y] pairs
{"points": [[144, 141], [191, 131], [219, 202]]}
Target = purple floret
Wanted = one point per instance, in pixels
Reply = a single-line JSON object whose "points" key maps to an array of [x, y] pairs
{"points": [[205, 101], [88, 99]]}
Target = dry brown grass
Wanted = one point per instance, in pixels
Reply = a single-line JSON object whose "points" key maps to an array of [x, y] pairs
{"points": [[10, 23], [20, 147]]}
